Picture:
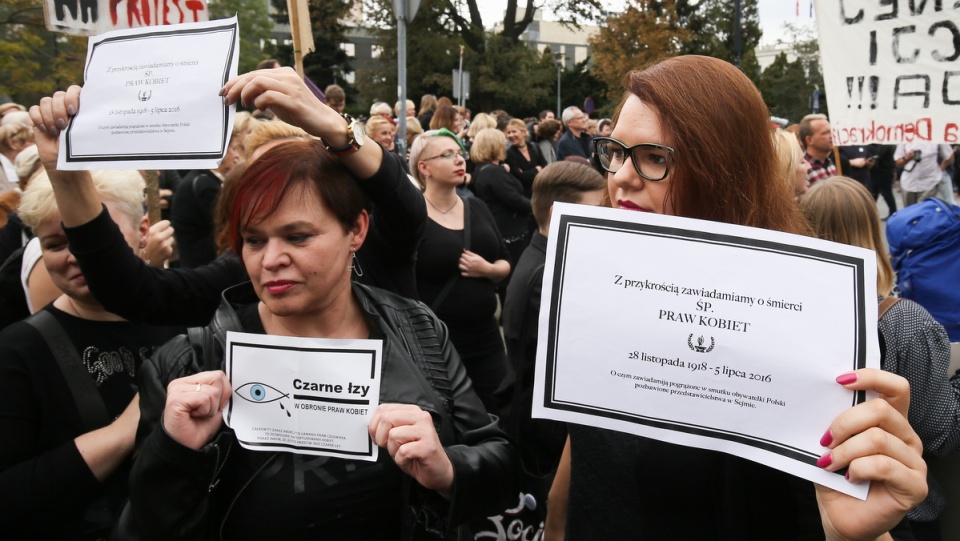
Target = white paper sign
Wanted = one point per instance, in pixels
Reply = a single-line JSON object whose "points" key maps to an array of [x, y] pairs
{"points": [[891, 70], [703, 334], [310, 396], [151, 99]]}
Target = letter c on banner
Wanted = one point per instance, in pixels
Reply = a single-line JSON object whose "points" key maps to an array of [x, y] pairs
{"points": [[956, 41], [848, 20]]}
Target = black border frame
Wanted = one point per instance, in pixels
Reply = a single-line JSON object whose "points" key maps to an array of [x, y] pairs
{"points": [[568, 223]]}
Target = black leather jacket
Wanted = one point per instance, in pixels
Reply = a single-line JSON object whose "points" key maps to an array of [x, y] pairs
{"points": [[176, 493]]}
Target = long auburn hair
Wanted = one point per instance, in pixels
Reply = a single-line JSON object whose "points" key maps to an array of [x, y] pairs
{"points": [[725, 167]]}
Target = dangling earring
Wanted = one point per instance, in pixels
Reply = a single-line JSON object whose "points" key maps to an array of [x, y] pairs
{"points": [[143, 252], [355, 265]]}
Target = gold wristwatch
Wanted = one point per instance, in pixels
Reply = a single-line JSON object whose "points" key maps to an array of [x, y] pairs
{"points": [[356, 136]]}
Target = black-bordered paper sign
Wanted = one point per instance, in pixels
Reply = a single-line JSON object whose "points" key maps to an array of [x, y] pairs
{"points": [[309, 396], [704, 334], [151, 99]]}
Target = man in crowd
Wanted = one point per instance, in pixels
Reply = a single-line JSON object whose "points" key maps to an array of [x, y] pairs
{"points": [[817, 144], [336, 97], [575, 141], [923, 166]]}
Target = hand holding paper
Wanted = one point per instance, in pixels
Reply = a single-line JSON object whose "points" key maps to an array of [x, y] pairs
{"points": [[194, 410], [876, 443], [408, 434]]}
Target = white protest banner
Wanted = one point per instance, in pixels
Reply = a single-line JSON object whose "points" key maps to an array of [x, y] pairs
{"points": [[92, 17], [703, 334], [891, 70]]}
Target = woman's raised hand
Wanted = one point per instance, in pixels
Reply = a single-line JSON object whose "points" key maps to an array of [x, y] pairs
{"points": [[49, 117], [194, 410], [282, 91], [874, 441], [408, 434]]}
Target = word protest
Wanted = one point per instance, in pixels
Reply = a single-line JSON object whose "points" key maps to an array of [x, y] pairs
{"points": [[94, 17], [891, 69]]}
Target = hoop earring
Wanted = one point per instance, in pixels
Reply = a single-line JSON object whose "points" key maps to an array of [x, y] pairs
{"points": [[355, 265]]}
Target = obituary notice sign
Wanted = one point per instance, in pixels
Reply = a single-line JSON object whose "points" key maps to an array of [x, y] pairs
{"points": [[151, 99], [704, 334]]}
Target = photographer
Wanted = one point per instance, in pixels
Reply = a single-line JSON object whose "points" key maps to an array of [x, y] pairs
{"points": [[923, 166]]}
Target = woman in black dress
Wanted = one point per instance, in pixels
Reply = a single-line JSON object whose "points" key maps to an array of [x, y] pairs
{"points": [[524, 159], [460, 261]]}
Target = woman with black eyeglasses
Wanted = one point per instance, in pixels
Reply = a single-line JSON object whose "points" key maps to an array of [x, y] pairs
{"points": [[670, 152], [460, 261]]}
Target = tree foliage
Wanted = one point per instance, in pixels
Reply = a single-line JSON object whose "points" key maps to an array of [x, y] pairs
{"points": [[785, 88], [35, 62], [255, 27], [328, 63], [642, 34]]}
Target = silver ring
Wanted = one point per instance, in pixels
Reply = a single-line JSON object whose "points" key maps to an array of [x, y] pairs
{"points": [[199, 385]]}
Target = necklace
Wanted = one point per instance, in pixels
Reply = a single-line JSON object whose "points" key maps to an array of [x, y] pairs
{"points": [[441, 211]]}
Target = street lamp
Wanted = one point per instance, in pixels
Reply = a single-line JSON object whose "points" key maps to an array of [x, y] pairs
{"points": [[559, 60]]}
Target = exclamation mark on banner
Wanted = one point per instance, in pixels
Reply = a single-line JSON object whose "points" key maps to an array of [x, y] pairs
{"points": [[860, 81], [874, 89]]}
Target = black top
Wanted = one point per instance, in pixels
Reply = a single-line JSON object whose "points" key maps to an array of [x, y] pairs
{"points": [[860, 174], [191, 296], [540, 440], [45, 485], [523, 169], [470, 299], [192, 218], [503, 194], [628, 487]]}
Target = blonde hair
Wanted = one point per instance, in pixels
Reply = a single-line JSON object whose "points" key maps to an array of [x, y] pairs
{"points": [[788, 152], [490, 145], [125, 188], [13, 135], [481, 122], [416, 149], [27, 163], [518, 124], [376, 122], [380, 108], [841, 210], [273, 130]]}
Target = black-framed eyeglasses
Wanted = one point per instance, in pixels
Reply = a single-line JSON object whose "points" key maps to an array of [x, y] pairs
{"points": [[448, 155], [651, 161]]}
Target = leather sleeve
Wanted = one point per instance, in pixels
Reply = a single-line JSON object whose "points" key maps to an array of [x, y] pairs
{"points": [[485, 463]]}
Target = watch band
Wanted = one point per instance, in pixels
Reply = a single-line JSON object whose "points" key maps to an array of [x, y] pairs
{"points": [[351, 147]]}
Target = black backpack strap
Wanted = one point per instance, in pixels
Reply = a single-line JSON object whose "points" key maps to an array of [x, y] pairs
{"points": [[93, 412]]}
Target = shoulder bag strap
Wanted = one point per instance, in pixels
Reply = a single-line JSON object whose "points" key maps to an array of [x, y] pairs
{"points": [[466, 246], [93, 412], [885, 305]]}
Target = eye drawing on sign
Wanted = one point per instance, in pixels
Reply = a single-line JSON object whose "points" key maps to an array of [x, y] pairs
{"points": [[261, 393]]}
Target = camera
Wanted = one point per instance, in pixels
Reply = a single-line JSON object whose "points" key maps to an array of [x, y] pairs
{"points": [[916, 155]]}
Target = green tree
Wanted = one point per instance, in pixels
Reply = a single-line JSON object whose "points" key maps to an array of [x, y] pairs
{"points": [[713, 32], [35, 62], [255, 27], [785, 88], [643, 33], [328, 63]]}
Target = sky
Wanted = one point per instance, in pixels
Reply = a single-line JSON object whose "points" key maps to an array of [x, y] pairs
{"points": [[773, 13]]}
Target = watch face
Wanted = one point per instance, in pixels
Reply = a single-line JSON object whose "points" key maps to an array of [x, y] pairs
{"points": [[358, 134]]}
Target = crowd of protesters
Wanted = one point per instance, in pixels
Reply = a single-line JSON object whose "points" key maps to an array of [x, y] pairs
{"points": [[436, 246]]}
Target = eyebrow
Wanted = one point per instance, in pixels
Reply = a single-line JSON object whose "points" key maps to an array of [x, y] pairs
{"points": [[293, 226]]}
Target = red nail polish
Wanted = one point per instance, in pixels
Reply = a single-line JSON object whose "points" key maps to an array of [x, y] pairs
{"points": [[825, 461], [846, 379], [847, 475], [826, 439]]}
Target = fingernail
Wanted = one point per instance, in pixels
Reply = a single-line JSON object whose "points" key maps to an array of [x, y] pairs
{"points": [[226, 100], [847, 379], [826, 439], [61, 124], [824, 461], [223, 91], [71, 110], [42, 128]]}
